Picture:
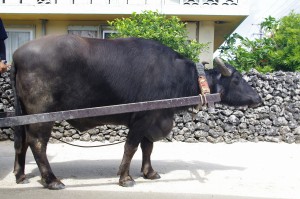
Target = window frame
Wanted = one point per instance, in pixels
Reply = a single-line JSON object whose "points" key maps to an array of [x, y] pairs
{"points": [[18, 29], [107, 32]]}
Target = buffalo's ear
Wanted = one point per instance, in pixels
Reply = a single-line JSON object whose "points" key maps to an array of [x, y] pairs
{"points": [[220, 65]]}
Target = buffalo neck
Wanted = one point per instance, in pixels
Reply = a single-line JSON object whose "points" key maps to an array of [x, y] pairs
{"points": [[212, 78]]}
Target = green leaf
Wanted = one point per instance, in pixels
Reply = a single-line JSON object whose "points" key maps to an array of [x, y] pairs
{"points": [[169, 31]]}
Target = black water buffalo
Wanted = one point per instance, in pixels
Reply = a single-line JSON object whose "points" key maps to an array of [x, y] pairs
{"points": [[57, 73]]}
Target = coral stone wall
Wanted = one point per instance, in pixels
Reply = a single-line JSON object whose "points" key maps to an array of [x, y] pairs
{"points": [[276, 120]]}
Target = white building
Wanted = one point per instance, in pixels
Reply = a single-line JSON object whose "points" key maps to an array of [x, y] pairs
{"points": [[207, 20]]}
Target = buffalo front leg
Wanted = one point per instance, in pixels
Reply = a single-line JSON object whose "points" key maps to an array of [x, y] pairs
{"points": [[38, 139], [137, 128], [125, 178], [147, 170]]}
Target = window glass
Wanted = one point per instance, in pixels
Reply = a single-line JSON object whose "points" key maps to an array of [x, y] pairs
{"points": [[16, 38], [84, 31]]}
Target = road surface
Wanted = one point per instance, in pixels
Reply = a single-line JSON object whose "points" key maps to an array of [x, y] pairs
{"points": [[188, 170]]}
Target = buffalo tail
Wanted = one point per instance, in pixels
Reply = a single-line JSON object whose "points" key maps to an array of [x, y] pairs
{"points": [[19, 131]]}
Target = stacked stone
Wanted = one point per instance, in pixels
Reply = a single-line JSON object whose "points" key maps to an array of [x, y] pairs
{"points": [[276, 120], [111, 133], [6, 104], [279, 116]]}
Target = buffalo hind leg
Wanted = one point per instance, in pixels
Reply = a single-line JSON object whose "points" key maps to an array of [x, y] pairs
{"points": [[147, 170], [38, 137], [21, 147], [19, 166]]}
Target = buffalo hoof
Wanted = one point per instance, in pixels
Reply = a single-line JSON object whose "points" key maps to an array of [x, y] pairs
{"points": [[22, 180], [55, 185], [152, 176], [127, 182]]}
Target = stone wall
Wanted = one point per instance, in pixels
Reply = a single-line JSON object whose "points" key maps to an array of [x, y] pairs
{"points": [[276, 120], [6, 104]]}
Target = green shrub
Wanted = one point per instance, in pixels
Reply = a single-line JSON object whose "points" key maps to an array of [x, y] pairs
{"points": [[245, 54], [286, 53], [278, 50], [152, 25]]}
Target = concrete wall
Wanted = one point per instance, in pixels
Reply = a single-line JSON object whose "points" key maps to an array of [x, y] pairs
{"points": [[52, 26], [202, 31], [206, 35]]}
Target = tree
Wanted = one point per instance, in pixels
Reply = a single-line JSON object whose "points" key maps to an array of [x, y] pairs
{"points": [[279, 49], [245, 54], [152, 25], [286, 53]]}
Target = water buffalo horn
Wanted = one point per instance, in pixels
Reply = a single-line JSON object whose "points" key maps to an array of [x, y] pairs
{"points": [[218, 62], [204, 63]]}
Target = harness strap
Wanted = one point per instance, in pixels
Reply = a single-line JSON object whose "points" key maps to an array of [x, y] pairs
{"points": [[203, 85]]}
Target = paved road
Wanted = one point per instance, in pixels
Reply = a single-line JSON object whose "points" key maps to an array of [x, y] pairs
{"points": [[201, 170]]}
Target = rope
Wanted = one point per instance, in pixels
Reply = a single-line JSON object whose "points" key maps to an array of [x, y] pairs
{"points": [[87, 146]]}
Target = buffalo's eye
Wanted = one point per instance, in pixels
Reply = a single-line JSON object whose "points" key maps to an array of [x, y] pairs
{"points": [[236, 80]]}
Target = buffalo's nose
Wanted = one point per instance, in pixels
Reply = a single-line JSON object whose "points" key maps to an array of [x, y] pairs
{"points": [[257, 100]]}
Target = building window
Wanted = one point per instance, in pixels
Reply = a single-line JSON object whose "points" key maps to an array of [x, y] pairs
{"points": [[106, 31], [102, 31], [16, 38], [84, 31], [106, 34]]}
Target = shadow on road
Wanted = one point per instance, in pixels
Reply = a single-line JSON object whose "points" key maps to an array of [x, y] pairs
{"points": [[94, 169]]}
